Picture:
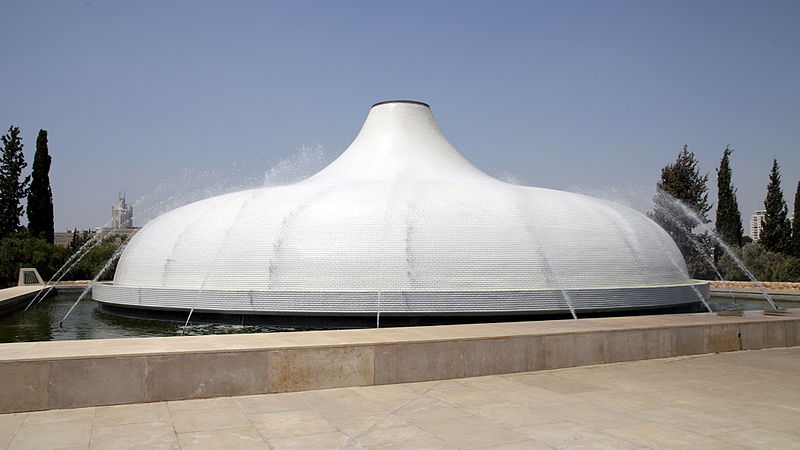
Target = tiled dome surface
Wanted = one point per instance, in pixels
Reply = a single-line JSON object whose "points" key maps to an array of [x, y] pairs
{"points": [[400, 219]]}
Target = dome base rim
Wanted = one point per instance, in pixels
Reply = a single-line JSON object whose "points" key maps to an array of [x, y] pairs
{"points": [[286, 322], [409, 303]]}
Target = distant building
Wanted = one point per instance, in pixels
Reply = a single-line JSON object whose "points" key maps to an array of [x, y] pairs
{"points": [[117, 235], [121, 214], [121, 228], [757, 223], [63, 238]]}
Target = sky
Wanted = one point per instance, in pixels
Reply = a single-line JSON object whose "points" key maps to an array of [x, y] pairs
{"points": [[174, 101]]}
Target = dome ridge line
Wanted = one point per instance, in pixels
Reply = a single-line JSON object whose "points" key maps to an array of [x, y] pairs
{"points": [[291, 216]]}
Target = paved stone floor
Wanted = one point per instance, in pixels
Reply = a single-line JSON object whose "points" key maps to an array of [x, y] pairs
{"points": [[748, 399]]}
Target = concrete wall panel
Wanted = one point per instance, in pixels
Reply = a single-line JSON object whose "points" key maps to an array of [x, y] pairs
{"points": [[74, 383], [579, 349], [322, 368], [24, 386], [508, 355], [689, 341], [722, 338], [752, 335], [775, 334], [402, 363], [200, 375]]}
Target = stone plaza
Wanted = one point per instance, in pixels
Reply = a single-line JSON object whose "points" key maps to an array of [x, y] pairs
{"points": [[744, 399]]}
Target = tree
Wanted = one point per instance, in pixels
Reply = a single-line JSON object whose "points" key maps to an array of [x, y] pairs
{"points": [[94, 260], [776, 233], [681, 186], [796, 223], [12, 189], [729, 219], [78, 239], [23, 250], [40, 196]]}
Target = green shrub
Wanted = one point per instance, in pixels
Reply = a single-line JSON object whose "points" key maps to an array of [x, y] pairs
{"points": [[770, 266], [93, 261], [728, 268], [20, 249]]}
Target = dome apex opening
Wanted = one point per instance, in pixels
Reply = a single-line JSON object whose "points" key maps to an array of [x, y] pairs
{"points": [[413, 102]]}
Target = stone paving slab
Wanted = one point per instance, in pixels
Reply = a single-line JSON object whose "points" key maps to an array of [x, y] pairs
{"points": [[743, 399]]}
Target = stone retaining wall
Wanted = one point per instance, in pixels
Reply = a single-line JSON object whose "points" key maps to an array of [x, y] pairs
{"points": [[17, 297], [68, 374], [784, 296]]}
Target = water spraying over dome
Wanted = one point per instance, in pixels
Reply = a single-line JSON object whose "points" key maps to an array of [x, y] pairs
{"points": [[402, 224]]}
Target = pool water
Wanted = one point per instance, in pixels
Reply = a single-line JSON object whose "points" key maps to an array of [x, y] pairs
{"points": [[88, 321]]}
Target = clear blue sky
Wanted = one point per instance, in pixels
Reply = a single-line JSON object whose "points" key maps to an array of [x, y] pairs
{"points": [[591, 96]]}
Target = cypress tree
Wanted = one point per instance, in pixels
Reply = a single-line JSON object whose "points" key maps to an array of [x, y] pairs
{"points": [[40, 196], [682, 181], [776, 234], [12, 188], [729, 219], [796, 223]]}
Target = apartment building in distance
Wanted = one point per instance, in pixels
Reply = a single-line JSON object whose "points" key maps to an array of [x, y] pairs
{"points": [[757, 223]]}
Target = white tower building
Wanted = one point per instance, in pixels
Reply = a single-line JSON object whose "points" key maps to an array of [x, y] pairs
{"points": [[757, 223], [121, 214]]}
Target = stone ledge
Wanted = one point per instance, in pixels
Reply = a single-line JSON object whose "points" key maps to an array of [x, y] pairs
{"points": [[68, 374], [786, 296]]}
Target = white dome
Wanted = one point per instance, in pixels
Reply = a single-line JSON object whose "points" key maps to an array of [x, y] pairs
{"points": [[403, 216]]}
